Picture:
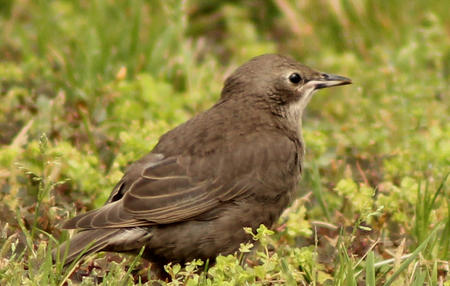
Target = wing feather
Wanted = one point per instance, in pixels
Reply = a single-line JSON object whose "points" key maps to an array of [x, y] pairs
{"points": [[160, 190]]}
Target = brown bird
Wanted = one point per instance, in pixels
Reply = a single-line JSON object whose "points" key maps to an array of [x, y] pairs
{"points": [[235, 165]]}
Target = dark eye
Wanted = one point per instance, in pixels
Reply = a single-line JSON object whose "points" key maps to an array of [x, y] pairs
{"points": [[295, 78]]}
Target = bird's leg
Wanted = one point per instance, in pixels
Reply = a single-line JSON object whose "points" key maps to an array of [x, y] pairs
{"points": [[158, 272]]}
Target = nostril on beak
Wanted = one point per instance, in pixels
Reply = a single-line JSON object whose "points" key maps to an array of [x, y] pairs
{"points": [[328, 80]]}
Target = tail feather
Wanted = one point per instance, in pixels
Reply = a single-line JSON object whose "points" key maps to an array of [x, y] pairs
{"points": [[85, 242]]}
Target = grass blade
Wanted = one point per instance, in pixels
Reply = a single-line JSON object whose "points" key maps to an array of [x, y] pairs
{"points": [[413, 256], [370, 269]]}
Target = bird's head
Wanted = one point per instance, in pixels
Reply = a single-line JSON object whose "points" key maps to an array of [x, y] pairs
{"points": [[278, 82]]}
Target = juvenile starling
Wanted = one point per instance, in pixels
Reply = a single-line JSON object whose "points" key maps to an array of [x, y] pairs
{"points": [[234, 165]]}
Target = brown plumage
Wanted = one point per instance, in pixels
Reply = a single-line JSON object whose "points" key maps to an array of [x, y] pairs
{"points": [[235, 165]]}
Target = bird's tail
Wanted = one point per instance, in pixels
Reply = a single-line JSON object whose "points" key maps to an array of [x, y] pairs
{"points": [[83, 243]]}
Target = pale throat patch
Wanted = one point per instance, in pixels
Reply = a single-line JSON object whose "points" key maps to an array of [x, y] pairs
{"points": [[296, 108]]}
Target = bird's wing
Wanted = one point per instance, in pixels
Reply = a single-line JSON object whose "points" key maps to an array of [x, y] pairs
{"points": [[160, 190]]}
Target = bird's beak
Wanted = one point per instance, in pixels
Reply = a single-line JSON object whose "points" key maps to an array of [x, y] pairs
{"points": [[329, 80]]}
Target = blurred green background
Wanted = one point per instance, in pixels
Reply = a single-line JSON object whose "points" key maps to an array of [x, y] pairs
{"points": [[104, 79]]}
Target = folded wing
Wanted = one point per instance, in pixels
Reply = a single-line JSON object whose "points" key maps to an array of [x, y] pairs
{"points": [[164, 190]]}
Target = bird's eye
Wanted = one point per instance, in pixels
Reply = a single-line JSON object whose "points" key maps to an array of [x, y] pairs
{"points": [[295, 78]]}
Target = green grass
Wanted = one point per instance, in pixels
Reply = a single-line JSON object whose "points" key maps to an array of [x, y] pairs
{"points": [[88, 86]]}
